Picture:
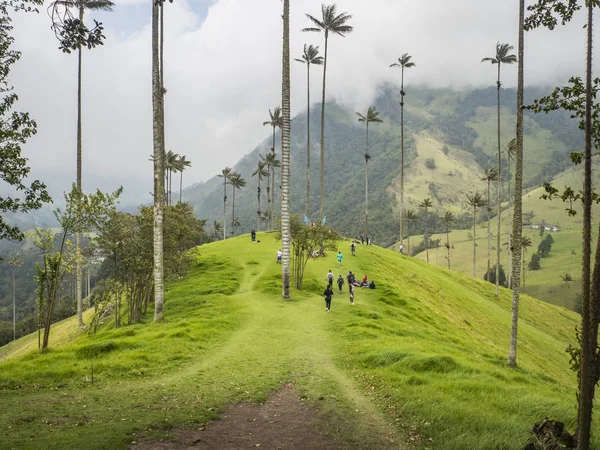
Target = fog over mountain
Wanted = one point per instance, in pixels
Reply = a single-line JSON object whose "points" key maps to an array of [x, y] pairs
{"points": [[223, 71]]}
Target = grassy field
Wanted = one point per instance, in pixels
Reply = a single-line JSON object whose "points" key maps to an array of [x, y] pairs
{"points": [[420, 358]]}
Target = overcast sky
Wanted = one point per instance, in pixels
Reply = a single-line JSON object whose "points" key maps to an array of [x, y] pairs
{"points": [[223, 73]]}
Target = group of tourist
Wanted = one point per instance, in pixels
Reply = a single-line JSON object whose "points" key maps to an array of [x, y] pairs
{"points": [[352, 283]]}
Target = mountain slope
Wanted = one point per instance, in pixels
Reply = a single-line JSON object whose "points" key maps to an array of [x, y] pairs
{"points": [[420, 357]]}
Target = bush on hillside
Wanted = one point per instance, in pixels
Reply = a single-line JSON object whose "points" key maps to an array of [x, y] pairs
{"points": [[545, 246], [491, 276], [430, 163], [534, 264], [433, 243]]}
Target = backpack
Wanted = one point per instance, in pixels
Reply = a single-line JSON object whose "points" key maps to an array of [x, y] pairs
{"points": [[330, 276]]}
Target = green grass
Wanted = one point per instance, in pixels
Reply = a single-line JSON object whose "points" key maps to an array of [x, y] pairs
{"points": [[422, 355]]}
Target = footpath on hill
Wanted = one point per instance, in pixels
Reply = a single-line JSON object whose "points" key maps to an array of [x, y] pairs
{"points": [[282, 334]]}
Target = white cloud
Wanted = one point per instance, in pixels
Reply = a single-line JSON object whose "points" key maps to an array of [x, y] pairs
{"points": [[223, 73]]}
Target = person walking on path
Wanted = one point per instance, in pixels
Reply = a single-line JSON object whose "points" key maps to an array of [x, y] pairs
{"points": [[279, 256], [328, 293], [350, 278], [330, 278], [353, 248], [401, 249], [351, 294], [340, 257], [340, 282]]}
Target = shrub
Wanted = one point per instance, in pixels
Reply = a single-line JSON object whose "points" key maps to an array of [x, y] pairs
{"points": [[534, 264], [491, 276], [430, 163]]}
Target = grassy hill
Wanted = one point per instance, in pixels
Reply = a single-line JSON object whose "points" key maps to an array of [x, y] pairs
{"points": [[420, 359], [435, 119]]}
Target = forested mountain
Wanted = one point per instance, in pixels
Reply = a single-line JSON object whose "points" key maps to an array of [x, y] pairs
{"points": [[450, 139]]}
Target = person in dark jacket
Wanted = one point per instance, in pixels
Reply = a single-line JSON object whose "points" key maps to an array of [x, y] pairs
{"points": [[340, 282], [328, 294]]}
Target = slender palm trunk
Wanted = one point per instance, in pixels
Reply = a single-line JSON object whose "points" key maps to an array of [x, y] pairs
{"points": [[285, 155], [322, 170], [474, 245], [14, 287], [402, 158], [233, 213], [508, 231], [273, 185], [158, 123], [180, 185], [79, 167], [518, 207], [589, 313], [258, 198], [489, 230], [224, 208], [307, 212], [367, 186], [499, 192], [448, 243], [426, 235]]}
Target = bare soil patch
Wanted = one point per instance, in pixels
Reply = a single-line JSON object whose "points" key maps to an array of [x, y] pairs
{"points": [[283, 422]]}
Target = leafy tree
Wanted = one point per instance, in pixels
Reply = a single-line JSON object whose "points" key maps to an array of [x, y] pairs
{"points": [[72, 33], [475, 201], [15, 129], [310, 56], [237, 183], [545, 246], [503, 56], [490, 276], [334, 23], [158, 125], [534, 264], [425, 204], [225, 174], [182, 163], [525, 244], [372, 115], [448, 219], [404, 62], [216, 230], [491, 174], [259, 173], [285, 155]]}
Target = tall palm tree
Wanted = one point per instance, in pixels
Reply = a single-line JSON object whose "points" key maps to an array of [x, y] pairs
{"points": [[425, 204], [62, 11], [171, 166], [448, 219], [182, 164], [404, 62], [159, 168], [259, 173], [517, 229], [272, 163], [285, 155], [14, 261], [475, 201], [274, 122], [491, 174], [333, 23], [310, 56], [237, 182], [411, 217], [503, 56], [225, 174], [525, 244], [372, 115]]}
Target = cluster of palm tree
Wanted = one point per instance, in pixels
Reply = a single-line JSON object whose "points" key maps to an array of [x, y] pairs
{"points": [[174, 163], [236, 182]]}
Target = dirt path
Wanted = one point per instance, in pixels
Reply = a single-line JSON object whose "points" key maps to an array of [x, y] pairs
{"points": [[282, 422]]}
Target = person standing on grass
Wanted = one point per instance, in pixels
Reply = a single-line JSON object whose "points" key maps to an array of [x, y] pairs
{"points": [[340, 283], [328, 293], [349, 277], [353, 248], [351, 288], [330, 279], [340, 257], [279, 256], [401, 249]]}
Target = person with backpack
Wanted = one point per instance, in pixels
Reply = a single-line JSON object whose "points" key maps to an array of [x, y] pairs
{"points": [[330, 279], [328, 294], [340, 257], [340, 282], [350, 278], [353, 248]]}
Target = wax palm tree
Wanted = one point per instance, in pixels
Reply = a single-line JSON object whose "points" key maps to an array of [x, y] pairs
{"points": [[274, 122], [503, 56], [425, 204], [285, 155], [272, 163], [225, 174], [216, 230], [259, 173], [14, 261], [372, 115], [62, 13], [171, 166], [448, 219], [525, 244], [159, 169], [182, 164], [237, 183], [404, 62], [475, 201], [411, 217], [333, 23], [491, 174], [310, 56]]}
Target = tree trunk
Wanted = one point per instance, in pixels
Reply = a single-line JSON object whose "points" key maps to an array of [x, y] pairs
{"points": [[258, 198], [224, 208], [285, 155], [489, 230], [589, 326], [426, 240], [307, 212], [322, 172], [518, 209], [157, 109], [499, 192], [79, 176], [273, 184], [233, 213], [14, 286], [474, 245], [508, 231], [180, 184], [367, 185], [402, 158], [448, 244]]}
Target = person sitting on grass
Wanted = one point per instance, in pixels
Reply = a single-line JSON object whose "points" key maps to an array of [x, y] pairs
{"points": [[365, 282]]}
